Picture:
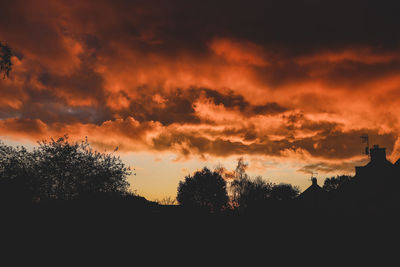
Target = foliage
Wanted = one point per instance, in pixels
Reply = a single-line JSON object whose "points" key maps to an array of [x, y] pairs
{"points": [[60, 170], [249, 193], [240, 185], [241, 169], [284, 192], [167, 201], [16, 179], [5, 59], [334, 183], [204, 190]]}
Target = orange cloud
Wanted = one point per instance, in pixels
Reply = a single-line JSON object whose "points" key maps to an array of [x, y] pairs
{"points": [[148, 79], [362, 55], [239, 52]]}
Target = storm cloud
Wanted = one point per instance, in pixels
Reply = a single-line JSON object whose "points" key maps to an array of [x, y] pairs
{"points": [[198, 78]]}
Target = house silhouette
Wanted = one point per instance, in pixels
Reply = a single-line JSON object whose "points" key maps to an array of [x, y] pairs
{"points": [[373, 190], [314, 198]]}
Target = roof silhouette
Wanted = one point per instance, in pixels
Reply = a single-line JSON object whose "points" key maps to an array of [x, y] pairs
{"points": [[313, 189], [378, 169], [314, 197], [374, 187]]}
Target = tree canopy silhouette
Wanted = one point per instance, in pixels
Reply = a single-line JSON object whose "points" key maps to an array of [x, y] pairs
{"points": [[284, 192], [59, 170], [205, 190], [5, 59], [250, 194], [16, 174], [333, 183]]}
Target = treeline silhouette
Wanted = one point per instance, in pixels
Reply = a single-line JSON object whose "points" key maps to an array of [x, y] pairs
{"points": [[58, 174], [62, 175], [209, 192]]}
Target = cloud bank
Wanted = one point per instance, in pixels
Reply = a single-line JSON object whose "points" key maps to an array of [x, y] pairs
{"points": [[289, 80]]}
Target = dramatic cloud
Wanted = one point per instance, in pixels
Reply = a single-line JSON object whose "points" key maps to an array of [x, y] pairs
{"points": [[280, 79]]}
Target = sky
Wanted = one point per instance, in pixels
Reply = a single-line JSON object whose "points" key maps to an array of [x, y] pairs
{"points": [[177, 85]]}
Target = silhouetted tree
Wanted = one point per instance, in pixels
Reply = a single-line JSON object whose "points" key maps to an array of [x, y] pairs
{"points": [[241, 169], [204, 190], [5, 60], [246, 193], [284, 192], [333, 183], [17, 182], [59, 170], [239, 186], [250, 194], [67, 171]]}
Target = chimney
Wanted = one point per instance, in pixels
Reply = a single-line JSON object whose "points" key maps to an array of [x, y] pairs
{"points": [[314, 181], [378, 153]]}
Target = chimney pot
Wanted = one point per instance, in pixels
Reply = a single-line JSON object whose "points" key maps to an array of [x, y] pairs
{"points": [[378, 153], [314, 181]]}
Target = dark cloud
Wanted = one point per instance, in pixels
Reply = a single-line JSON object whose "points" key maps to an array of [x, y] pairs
{"points": [[19, 127], [356, 75], [176, 107], [231, 100], [331, 145], [191, 143], [76, 97], [327, 167], [290, 75], [342, 145], [179, 105], [301, 25]]}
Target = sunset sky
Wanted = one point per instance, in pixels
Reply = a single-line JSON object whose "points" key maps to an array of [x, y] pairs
{"points": [[177, 85]]}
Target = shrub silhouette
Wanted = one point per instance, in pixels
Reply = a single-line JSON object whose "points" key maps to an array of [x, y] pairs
{"points": [[59, 170], [168, 200], [205, 190]]}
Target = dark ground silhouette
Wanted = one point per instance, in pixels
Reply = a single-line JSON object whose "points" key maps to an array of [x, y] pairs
{"points": [[63, 176], [67, 197]]}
